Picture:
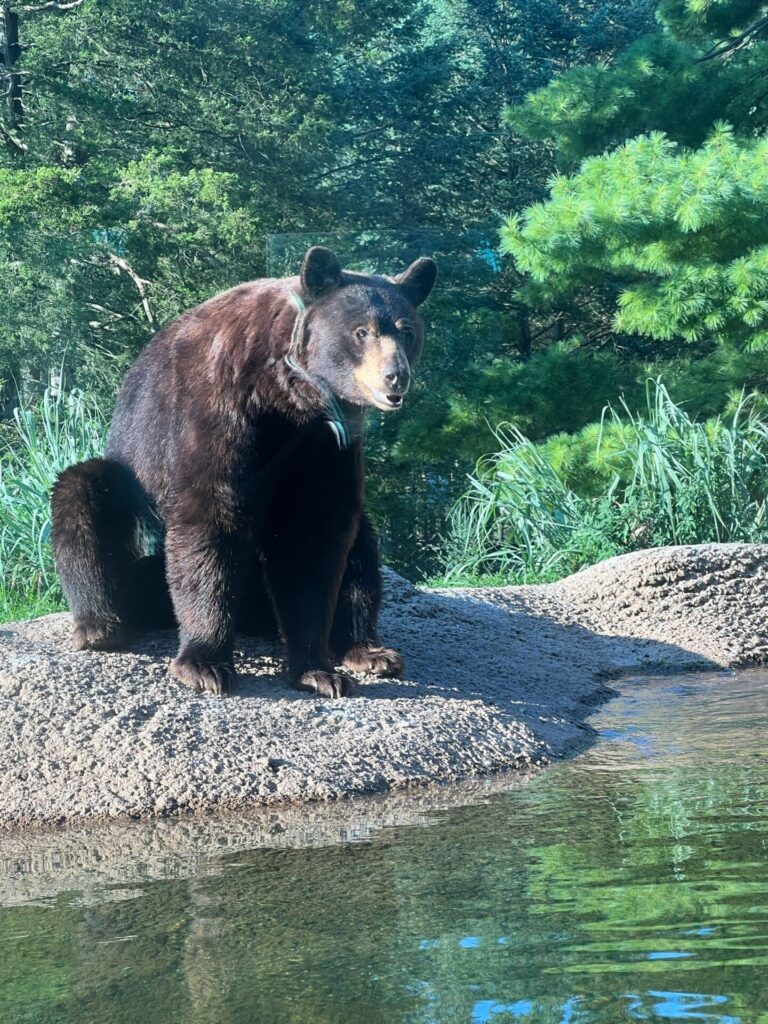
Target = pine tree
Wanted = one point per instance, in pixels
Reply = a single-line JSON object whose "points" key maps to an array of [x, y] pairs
{"points": [[668, 206]]}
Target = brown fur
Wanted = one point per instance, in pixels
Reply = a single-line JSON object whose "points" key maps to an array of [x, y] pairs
{"points": [[223, 451]]}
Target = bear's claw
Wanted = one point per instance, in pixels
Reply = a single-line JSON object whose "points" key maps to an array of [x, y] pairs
{"points": [[374, 661], [204, 676], [327, 684], [92, 635]]}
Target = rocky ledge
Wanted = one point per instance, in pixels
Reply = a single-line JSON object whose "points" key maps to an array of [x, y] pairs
{"points": [[497, 678]]}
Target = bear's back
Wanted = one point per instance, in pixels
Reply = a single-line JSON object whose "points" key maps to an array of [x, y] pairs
{"points": [[175, 392]]}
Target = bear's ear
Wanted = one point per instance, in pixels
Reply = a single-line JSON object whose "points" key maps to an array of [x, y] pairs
{"points": [[320, 272], [418, 280]]}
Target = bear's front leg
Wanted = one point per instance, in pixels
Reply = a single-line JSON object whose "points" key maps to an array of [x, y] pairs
{"points": [[303, 574], [204, 567], [354, 636]]}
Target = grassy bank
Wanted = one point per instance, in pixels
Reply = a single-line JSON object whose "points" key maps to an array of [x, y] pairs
{"points": [[34, 448], [535, 513]]}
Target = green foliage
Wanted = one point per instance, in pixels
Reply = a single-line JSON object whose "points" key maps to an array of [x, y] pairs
{"points": [[710, 19], [189, 135], [590, 109], [657, 85], [689, 227], [670, 220], [518, 518], [540, 512], [712, 383], [559, 388], [33, 451]]}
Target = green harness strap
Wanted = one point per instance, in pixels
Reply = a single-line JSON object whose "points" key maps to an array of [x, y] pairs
{"points": [[333, 414]]}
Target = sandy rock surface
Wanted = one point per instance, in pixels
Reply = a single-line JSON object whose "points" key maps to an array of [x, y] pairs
{"points": [[496, 678]]}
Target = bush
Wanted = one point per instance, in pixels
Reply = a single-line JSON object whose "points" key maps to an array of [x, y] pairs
{"points": [[537, 513], [35, 448]]}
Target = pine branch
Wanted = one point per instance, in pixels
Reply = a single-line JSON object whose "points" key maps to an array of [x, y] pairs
{"points": [[140, 284], [737, 42], [13, 142]]}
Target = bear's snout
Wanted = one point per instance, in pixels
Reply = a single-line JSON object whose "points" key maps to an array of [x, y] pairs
{"points": [[397, 380], [384, 374]]}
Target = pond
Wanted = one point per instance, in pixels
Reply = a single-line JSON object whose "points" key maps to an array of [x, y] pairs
{"points": [[628, 884]]}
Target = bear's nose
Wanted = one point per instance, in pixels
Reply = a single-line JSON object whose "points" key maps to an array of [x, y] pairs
{"points": [[397, 380]]}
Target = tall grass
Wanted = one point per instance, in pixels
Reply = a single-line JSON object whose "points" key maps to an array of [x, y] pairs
{"points": [[531, 512], [34, 448], [664, 479]]}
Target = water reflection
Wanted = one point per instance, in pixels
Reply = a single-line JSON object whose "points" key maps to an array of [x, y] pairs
{"points": [[627, 885]]}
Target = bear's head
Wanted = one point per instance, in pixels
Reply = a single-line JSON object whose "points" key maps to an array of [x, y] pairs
{"points": [[363, 333]]}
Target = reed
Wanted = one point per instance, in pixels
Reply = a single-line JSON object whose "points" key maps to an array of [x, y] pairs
{"points": [[34, 448], [662, 478]]}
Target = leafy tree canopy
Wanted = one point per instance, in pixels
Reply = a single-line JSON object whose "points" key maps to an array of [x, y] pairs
{"points": [[148, 152]]}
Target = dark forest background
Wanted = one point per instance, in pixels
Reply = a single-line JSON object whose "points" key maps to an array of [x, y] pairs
{"points": [[588, 174]]}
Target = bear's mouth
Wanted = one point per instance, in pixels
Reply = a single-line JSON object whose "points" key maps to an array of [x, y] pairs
{"points": [[386, 400]]}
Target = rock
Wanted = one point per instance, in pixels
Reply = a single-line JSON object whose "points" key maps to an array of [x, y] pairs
{"points": [[496, 679]]}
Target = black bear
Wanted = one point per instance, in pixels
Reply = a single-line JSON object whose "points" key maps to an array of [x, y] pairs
{"points": [[231, 493]]}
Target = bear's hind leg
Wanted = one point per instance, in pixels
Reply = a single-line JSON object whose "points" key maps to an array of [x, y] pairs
{"points": [[354, 636], [95, 537]]}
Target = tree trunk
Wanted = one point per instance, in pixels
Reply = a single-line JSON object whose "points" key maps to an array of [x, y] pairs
{"points": [[11, 51], [11, 87]]}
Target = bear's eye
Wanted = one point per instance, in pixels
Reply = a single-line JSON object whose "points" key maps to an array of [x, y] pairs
{"points": [[361, 334], [407, 330]]}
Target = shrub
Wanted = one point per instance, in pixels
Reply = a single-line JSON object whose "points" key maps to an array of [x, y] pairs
{"points": [[540, 512], [33, 450]]}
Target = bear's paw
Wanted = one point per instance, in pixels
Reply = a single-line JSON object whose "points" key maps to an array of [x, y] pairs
{"points": [[215, 677], [327, 684], [374, 661], [96, 635]]}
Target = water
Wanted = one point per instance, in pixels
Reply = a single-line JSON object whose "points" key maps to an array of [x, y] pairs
{"points": [[629, 884]]}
